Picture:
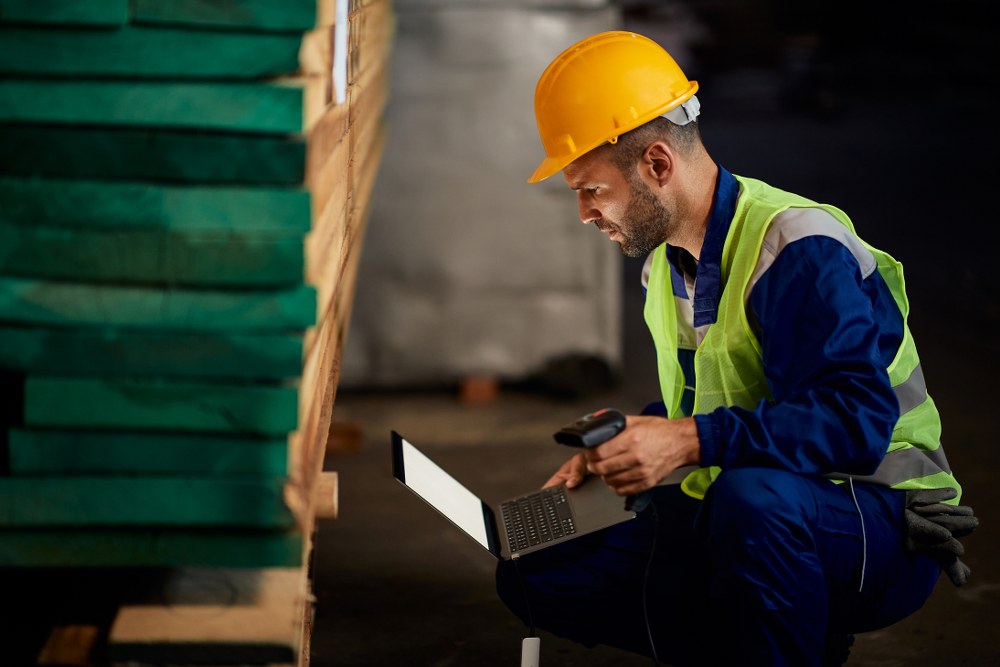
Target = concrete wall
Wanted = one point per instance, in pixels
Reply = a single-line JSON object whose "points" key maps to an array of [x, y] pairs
{"points": [[466, 269]]}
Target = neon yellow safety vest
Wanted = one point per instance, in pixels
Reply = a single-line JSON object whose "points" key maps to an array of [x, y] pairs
{"points": [[728, 365]]}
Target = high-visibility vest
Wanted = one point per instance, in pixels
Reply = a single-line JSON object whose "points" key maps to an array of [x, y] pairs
{"points": [[728, 364]]}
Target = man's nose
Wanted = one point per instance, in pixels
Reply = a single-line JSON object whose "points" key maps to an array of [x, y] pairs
{"points": [[588, 212]]}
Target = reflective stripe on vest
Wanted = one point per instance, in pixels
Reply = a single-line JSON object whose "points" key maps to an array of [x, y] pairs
{"points": [[729, 370]]}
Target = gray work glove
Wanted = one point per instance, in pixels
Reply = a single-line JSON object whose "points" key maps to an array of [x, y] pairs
{"points": [[933, 528]]}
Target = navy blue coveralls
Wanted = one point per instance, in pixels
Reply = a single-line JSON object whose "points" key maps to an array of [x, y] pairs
{"points": [[777, 565]]}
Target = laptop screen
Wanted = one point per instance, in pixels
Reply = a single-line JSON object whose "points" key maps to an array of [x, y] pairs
{"points": [[440, 490]]}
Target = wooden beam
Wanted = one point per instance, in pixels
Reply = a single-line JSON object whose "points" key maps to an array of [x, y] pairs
{"points": [[163, 257], [142, 501], [130, 204], [105, 13], [290, 105], [118, 352], [59, 452], [148, 547], [164, 155], [267, 15], [56, 303], [148, 52], [150, 404]]}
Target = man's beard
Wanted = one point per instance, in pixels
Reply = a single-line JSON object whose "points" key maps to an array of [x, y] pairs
{"points": [[645, 223]]}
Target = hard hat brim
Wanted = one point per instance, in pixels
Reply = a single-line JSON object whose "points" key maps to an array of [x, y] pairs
{"points": [[548, 167]]}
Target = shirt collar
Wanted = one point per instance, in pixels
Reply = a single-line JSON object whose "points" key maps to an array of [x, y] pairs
{"points": [[708, 278]]}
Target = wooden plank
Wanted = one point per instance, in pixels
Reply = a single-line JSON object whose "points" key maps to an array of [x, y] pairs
{"points": [[146, 52], [162, 257], [113, 205], [145, 404], [52, 452], [70, 645], [267, 15], [167, 155], [142, 501], [370, 32], [372, 28], [71, 12], [116, 352], [327, 496], [321, 372], [280, 106], [134, 547], [67, 304], [215, 616]]}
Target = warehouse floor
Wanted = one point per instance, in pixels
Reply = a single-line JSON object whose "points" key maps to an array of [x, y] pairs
{"points": [[396, 584]]}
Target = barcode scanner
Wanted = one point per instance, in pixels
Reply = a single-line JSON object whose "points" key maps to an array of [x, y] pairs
{"points": [[591, 429]]}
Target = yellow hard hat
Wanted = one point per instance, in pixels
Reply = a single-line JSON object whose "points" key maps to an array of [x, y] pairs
{"points": [[599, 89]]}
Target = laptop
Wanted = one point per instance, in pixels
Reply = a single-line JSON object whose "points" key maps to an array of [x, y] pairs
{"points": [[519, 525]]}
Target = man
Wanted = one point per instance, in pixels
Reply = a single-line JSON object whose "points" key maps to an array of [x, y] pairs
{"points": [[823, 504]]}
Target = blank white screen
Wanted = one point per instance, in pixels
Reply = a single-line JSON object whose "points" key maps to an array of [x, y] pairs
{"points": [[444, 493]]}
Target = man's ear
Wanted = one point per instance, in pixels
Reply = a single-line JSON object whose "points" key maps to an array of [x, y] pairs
{"points": [[657, 162]]}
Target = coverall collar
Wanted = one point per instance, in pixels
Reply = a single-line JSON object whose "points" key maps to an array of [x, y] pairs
{"points": [[708, 276]]}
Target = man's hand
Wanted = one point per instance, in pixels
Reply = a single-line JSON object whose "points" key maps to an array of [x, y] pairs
{"points": [[649, 449], [571, 473]]}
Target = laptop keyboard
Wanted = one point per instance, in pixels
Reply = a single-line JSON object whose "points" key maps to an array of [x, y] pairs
{"points": [[537, 518]]}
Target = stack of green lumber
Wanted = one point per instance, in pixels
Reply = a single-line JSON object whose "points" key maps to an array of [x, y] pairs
{"points": [[182, 198]]}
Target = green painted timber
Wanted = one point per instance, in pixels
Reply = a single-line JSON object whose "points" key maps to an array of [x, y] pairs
{"points": [[72, 12], [145, 52], [268, 15], [116, 352], [163, 155], [69, 304], [114, 452], [174, 406], [102, 547], [162, 257], [153, 205], [142, 501], [236, 107]]}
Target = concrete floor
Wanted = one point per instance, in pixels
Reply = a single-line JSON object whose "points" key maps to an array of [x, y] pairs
{"points": [[396, 584]]}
